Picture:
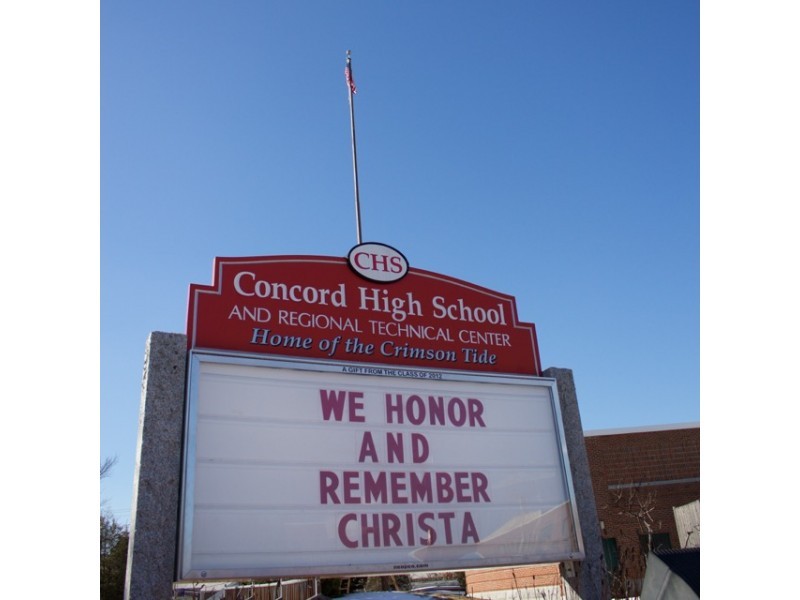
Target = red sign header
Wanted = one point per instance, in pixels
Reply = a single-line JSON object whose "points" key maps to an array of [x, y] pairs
{"points": [[318, 307]]}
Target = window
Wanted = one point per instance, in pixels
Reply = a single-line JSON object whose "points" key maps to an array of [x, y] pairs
{"points": [[660, 541], [611, 554]]}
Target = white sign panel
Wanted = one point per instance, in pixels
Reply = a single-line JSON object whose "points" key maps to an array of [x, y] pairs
{"points": [[300, 468]]}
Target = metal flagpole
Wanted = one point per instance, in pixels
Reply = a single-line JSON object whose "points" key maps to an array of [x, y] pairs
{"points": [[351, 89]]}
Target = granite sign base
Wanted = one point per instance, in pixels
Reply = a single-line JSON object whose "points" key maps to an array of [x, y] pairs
{"points": [[152, 546], [586, 579]]}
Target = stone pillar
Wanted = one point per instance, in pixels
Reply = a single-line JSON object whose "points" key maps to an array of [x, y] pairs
{"points": [[588, 582], [152, 547]]}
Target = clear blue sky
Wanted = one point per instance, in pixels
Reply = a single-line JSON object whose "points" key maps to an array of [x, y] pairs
{"points": [[548, 150]]}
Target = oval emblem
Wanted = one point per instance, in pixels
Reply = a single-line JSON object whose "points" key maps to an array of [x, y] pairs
{"points": [[378, 262]]}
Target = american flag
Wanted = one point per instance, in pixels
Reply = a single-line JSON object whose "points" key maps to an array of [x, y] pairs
{"points": [[348, 76]]}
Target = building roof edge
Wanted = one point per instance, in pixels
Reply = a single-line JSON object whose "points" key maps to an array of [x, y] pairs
{"points": [[641, 429]]}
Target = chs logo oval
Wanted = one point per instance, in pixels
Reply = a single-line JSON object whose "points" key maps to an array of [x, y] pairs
{"points": [[378, 262]]}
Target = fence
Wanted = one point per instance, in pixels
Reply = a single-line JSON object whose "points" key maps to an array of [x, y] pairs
{"points": [[295, 589]]}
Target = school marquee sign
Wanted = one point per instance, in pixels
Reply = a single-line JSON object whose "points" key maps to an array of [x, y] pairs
{"points": [[357, 415]]}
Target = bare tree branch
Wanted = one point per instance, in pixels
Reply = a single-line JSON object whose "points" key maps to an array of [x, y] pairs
{"points": [[105, 466]]}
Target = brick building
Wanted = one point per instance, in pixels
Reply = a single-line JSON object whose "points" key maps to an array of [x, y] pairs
{"points": [[639, 477]]}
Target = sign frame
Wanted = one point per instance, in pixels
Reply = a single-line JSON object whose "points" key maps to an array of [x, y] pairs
{"points": [[186, 571]]}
